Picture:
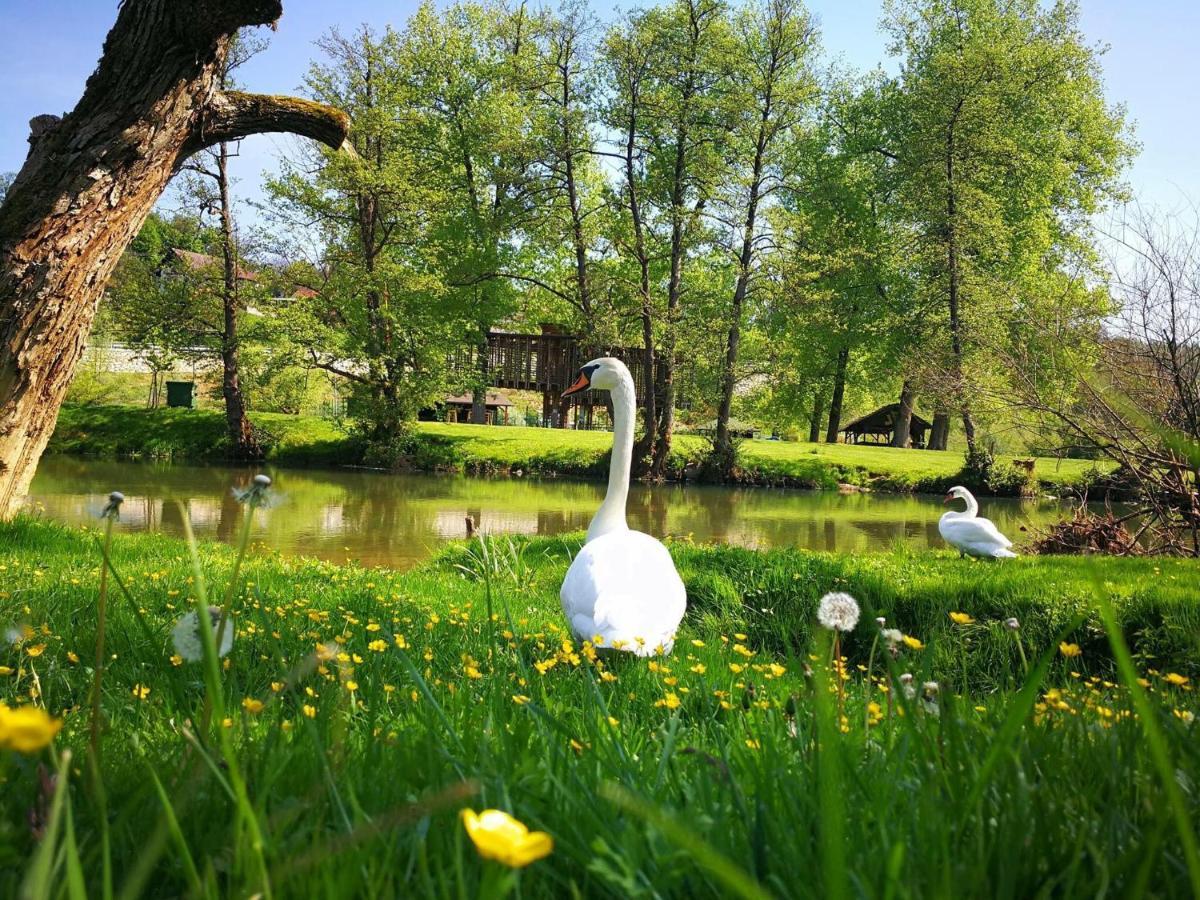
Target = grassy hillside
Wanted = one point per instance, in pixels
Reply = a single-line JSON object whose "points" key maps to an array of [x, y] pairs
{"points": [[714, 771], [293, 440]]}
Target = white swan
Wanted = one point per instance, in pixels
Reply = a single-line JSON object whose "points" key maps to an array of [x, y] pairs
{"points": [[622, 586], [968, 533]]}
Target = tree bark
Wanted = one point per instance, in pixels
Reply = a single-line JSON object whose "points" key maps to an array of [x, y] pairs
{"points": [[241, 432], [815, 417], [91, 179], [939, 432], [902, 433], [839, 391], [955, 282], [722, 444], [644, 448]]}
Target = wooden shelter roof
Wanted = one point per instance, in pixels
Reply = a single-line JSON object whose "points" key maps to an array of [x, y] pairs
{"points": [[883, 420], [494, 399]]}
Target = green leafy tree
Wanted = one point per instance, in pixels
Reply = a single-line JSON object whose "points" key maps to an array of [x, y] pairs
{"points": [[1004, 146], [374, 309], [771, 61]]}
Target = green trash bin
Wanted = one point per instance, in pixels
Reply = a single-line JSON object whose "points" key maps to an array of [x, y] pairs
{"points": [[179, 393]]}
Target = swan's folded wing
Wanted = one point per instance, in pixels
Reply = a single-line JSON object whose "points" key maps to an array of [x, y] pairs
{"points": [[974, 533]]}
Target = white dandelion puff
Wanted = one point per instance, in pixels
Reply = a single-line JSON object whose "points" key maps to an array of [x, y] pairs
{"points": [[189, 643], [1011, 623], [256, 493], [838, 611], [113, 508]]}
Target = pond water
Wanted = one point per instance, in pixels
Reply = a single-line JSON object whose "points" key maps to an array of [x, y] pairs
{"points": [[398, 520]]}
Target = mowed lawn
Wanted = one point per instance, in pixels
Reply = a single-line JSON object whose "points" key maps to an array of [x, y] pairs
{"points": [[113, 431]]}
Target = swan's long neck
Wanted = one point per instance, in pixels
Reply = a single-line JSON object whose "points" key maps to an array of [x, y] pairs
{"points": [[972, 509], [611, 515]]}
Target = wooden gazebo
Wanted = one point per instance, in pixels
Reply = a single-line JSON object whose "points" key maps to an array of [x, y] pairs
{"points": [[878, 427]]}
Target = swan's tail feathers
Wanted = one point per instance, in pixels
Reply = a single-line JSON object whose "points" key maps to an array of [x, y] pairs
{"points": [[1003, 553], [627, 624]]}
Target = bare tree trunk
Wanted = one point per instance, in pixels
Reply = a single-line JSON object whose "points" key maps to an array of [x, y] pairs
{"points": [[722, 444], [939, 432], [91, 179], [241, 433], [815, 417], [839, 391], [644, 449], [954, 298], [901, 435]]}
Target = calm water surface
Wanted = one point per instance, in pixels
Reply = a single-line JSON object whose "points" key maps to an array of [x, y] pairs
{"points": [[400, 519]]}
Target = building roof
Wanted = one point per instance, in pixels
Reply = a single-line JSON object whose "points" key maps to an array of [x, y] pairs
{"points": [[494, 399], [884, 420], [199, 262]]}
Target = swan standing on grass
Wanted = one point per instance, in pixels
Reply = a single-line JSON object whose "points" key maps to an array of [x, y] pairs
{"points": [[968, 533], [622, 586]]}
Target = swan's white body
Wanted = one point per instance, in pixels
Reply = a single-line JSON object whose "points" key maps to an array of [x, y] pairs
{"points": [[970, 534], [622, 587]]}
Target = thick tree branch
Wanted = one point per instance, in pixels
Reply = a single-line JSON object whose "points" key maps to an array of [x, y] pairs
{"points": [[231, 115]]}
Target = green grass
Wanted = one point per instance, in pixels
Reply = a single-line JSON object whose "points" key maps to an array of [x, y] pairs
{"points": [[111, 431], [680, 777]]}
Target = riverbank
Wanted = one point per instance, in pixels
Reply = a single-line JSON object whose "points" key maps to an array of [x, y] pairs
{"points": [[199, 435], [353, 766]]}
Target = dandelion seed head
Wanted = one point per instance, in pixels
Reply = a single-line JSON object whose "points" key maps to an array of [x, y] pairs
{"points": [[112, 510], [1011, 623], [880, 621], [187, 638], [838, 611]]}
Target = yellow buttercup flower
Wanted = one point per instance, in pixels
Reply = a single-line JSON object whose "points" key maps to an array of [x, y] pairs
{"points": [[140, 691], [913, 643], [26, 729], [252, 706], [1176, 679], [961, 618], [497, 835], [1069, 650]]}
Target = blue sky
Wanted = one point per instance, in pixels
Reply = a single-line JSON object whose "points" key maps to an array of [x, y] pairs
{"points": [[48, 48]]}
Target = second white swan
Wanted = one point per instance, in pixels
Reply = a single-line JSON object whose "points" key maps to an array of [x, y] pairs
{"points": [[622, 587], [971, 534]]}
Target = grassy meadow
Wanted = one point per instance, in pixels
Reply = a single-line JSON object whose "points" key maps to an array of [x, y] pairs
{"points": [[180, 434], [360, 710]]}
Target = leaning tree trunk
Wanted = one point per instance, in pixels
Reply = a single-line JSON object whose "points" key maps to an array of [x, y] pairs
{"points": [[89, 182]]}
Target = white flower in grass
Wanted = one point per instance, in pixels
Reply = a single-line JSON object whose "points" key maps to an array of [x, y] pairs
{"points": [[187, 638], [1012, 624], [906, 683], [838, 611], [929, 698]]}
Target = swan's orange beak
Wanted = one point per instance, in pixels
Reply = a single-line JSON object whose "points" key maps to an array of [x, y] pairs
{"points": [[949, 498], [581, 384]]}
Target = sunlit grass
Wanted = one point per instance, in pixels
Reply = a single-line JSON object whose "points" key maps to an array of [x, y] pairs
{"points": [[362, 709], [305, 440]]}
